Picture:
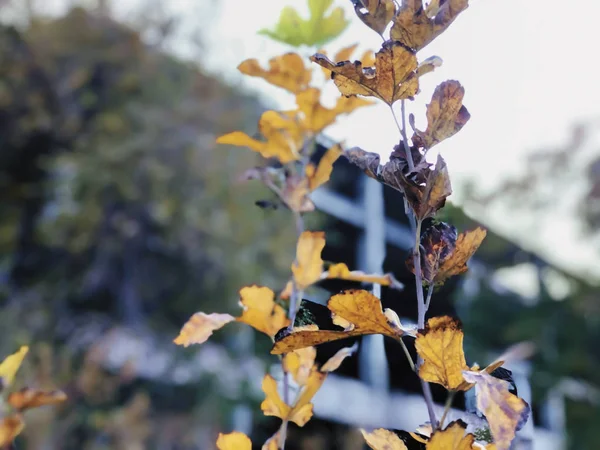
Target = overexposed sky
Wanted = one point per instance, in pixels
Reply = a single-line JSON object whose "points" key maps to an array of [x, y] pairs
{"points": [[528, 68]]}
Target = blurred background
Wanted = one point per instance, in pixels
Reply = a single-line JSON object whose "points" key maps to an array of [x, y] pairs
{"points": [[120, 216]]}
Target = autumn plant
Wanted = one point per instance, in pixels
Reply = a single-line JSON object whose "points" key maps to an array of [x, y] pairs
{"points": [[392, 76]]}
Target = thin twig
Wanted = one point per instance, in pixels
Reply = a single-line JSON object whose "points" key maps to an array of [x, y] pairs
{"points": [[446, 408], [429, 295], [407, 353], [402, 129]]}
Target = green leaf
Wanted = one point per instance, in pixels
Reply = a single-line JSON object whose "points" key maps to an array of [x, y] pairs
{"points": [[319, 29]]}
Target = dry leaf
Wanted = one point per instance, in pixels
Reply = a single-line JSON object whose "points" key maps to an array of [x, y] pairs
{"points": [[358, 307], [381, 439], [393, 77], [260, 310], [300, 363], [302, 410], [429, 65], [446, 115], [376, 14], [336, 360], [320, 175], [444, 254], [10, 366], [282, 133], [505, 412], [440, 345], [10, 427], [286, 71], [234, 441], [308, 266], [415, 26], [27, 398], [451, 438], [200, 327], [342, 272]]}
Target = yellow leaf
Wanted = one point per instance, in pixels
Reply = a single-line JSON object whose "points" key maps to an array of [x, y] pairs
{"points": [[27, 398], [336, 360], [368, 58], [10, 366], [200, 327], [393, 77], [281, 131], [381, 439], [358, 307], [315, 117], [342, 272], [440, 345], [286, 71], [377, 14], [272, 443], [323, 171], [234, 441], [466, 244], [345, 53], [300, 363], [302, 410], [452, 438], [260, 310], [505, 412], [446, 115], [413, 26], [308, 266], [10, 427]]}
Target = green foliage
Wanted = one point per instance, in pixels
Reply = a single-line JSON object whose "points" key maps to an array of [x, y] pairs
{"points": [[321, 26]]}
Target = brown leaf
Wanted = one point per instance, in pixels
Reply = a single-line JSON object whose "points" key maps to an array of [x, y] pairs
{"points": [[10, 427], [393, 77], [200, 327], [260, 310], [451, 438], [376, 14], [440, 345], [27, 398], [505, 412], [446, 115], [358, 307], [381, 439], [444, 254], [308, 266], [286, 71], [413, 26]]}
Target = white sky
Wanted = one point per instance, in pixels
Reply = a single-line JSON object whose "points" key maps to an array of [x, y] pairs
{"points": [[528, 67]]}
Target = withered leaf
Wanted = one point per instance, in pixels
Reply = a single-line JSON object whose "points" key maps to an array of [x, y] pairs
{"points": [[336, 360], [382, 439], [357, 307], [505, 412], [416, 26], [286, 71], [234, 441], [446, 115], [440, 345], [444, 254], [300, 363], [27, 398], [320, 175], [376, 14], [453, 437], [200, 327], [308, 266], [10, 427], [393, 77]]}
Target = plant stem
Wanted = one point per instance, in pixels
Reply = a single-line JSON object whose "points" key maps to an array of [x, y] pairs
{"points": [[446, 408], [417, 264], [407, 353], [429, 295]]}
